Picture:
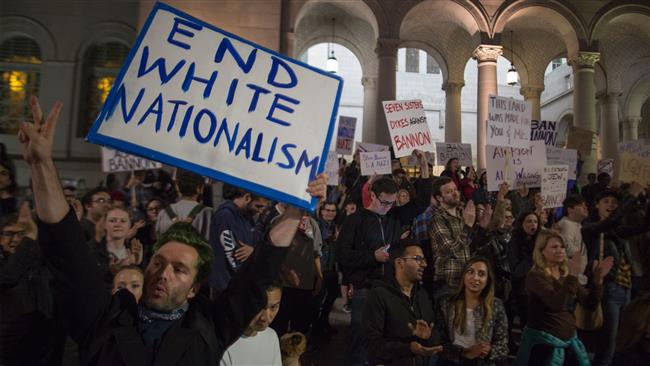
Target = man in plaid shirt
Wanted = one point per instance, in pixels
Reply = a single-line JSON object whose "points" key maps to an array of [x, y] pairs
{"points": [[452, 231]]}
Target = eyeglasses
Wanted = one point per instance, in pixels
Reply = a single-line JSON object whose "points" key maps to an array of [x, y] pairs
{"points": [[10, 234], [385, 203], [103, 200], [418, 258]]}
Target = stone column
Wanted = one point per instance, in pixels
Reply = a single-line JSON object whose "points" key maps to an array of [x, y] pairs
{"points": [[486, 56], [386, 79], [584, 102], [609, 126], [370, 109], [532, 94], [631, 128], [453, 120]]}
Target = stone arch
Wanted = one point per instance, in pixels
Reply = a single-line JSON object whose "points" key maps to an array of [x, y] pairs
{"points": [[12, 26], [353, 7], [566, 23], [105, 32], [610, 12], [367, 64], [567, 116], [637, 97]]}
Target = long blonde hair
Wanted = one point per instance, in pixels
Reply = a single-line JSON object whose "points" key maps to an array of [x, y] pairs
{"points": [[539, 263], [486, 298]]}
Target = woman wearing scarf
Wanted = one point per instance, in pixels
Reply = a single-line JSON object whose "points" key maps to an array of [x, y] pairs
{"points": [[552, 286]]}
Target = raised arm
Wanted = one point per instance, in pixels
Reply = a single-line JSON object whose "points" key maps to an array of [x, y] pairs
{"points": [[79, 287]]}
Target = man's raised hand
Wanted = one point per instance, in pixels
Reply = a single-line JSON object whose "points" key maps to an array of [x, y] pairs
{"points": [[37, 138]]}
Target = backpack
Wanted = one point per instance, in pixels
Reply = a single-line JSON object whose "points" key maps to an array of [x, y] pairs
{"points": [[190, 217]]}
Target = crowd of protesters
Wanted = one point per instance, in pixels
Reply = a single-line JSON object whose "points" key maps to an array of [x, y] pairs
{"points": [[434, 270]]}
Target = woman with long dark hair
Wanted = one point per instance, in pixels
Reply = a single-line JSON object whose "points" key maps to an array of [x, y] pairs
{"points": [[451, 170], [8, 188], [520, 258], [472, 322], [552, 285]]}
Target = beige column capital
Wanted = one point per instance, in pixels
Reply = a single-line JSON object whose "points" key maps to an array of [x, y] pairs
{"points": [[631, 122], [608, 97], [585, 60], [369, 81], [453, 86], [387, 47], [487, 53], [531, 91]]}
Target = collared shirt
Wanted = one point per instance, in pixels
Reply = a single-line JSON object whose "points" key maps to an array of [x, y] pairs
{"points": [[422, 224], [450, 242]]}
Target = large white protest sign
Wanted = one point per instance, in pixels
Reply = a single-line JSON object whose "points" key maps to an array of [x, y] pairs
{"points": [[368, 147], [114, 161], [408, 126], [553, 133], [332, 168], [508, 122], [345, 135], [375, 162], [515, 165], [554, 185], [446, 151], [557, 156], [196, 97]]}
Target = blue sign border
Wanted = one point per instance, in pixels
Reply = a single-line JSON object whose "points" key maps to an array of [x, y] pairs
{"points": [[97, 138]]}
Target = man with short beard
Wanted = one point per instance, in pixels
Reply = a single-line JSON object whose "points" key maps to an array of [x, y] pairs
{"points": [[172, 324], [452, 231], [398, 314], [259, 345], [233, 234]]}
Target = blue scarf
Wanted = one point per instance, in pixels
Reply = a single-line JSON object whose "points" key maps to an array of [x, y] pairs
{"points": [[153, 325], [531, 337]]}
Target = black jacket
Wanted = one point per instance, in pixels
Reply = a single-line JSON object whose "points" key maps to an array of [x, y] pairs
{"points": [[105, 327], [361, 234], [386, 315]]}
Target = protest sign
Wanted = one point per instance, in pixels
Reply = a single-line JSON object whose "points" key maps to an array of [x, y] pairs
{"points": [[345, 135], [557, 156], [515, 165], [199, 98], [637, 147], [508, 122], [634, 167], [114, 161], [553, 133], [581, 140], [375, 162], [408, 126], [368, 147], [332, 168], [554, 185], [446, 151], [606, 166]]}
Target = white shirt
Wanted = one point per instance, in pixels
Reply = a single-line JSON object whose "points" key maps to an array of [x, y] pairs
{"points": [[467, 339], [261, 349]]}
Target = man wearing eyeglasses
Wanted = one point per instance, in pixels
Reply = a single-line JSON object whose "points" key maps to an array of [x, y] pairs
{"points": [[362, 251], [96, 203], [398, 314]]}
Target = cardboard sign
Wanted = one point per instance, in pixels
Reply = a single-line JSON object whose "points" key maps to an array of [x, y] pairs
{"points": [[408, 126], [368, 147], [554, 185], [606, 166], [581, 140], [196, 97], [634, 167], [345, 135], [116, 161], [553, 133], [515, 165], [557, 156], [376, 162], [508, 122], [446, 151], [332, 168]]}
